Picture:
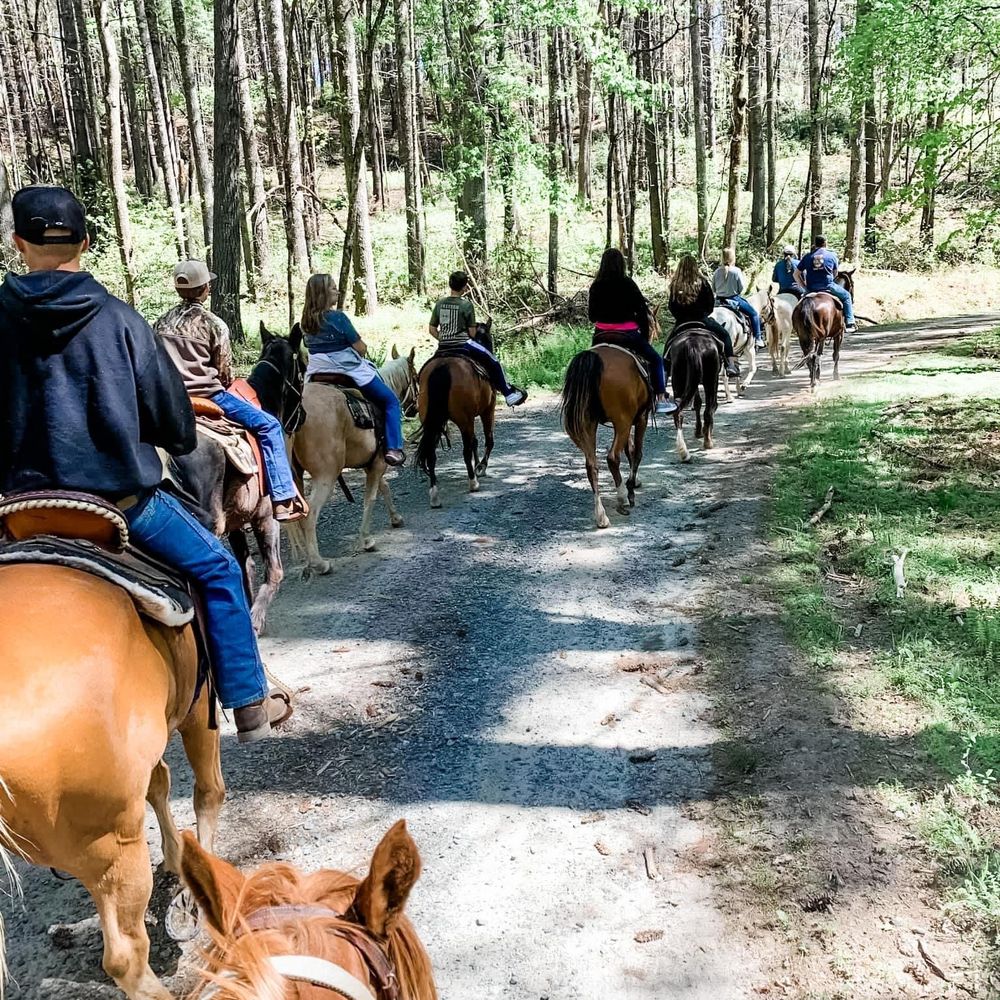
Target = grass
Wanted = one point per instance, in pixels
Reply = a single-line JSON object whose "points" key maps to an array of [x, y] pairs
{"points": [[544, 363], [920, 474]]}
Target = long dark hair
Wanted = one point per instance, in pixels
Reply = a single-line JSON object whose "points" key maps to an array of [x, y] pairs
{"points": [[612, 265]]}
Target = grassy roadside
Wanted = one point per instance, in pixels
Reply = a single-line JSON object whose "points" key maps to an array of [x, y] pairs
{"points": [[917, 471]]}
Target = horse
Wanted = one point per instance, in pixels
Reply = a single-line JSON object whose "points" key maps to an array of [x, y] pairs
{"points": [[452, 389], [400, 374], [605, 385], [694, 361], [99, 690], [744, 348], [779, 333], [279, 932], [327, 443], [229, 501], [819, 317]]}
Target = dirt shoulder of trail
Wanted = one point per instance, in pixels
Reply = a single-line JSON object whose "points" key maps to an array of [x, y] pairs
{"points": [[834, 895]]}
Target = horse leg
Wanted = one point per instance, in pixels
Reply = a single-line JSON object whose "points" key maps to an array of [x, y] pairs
{"points": [[698, 431], [241, 550], [711, 405], [373, 474], [635, 458], [682, 448], [489, 419], [469, 447], [618, 444], [318, 496], [158, 796], [836, 357], [201, 747], [120, 881], [725, 385], [752, 360], [267, 531], [589, 448], [395, 518]]}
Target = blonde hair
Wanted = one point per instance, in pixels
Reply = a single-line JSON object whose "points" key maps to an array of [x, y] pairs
{"points": [[686, 282], [321, 297]]}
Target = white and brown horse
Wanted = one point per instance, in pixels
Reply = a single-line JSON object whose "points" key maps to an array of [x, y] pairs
{"points": [[744, 348]]}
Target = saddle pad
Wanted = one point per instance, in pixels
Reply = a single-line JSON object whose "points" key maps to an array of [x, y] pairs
{"points": [[639, 362], [365, 416], [157, 591], [234, 443], [686, 331], [812, 295], [456, 352]]}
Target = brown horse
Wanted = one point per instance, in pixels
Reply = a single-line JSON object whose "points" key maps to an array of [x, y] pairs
{"points": [[452, 389], [604, 385], [817, 318], [98, 690], [279, 933], [694, 362]]}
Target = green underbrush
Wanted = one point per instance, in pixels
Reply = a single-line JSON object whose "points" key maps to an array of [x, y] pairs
{"points": [[921, 475]]}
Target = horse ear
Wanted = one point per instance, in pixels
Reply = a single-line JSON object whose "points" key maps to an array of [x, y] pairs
{"points": [[413, 355], [265, 335], [489, 323], [214, 884], [394, 870], [295, 338], [394, 353]]}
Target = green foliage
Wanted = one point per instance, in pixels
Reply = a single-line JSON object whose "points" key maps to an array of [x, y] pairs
{"points": [[544, 363]]}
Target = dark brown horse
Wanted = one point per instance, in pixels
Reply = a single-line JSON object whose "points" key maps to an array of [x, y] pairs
{"points": [[694, 361], [605, 386], [817, 318], [452, 389]]}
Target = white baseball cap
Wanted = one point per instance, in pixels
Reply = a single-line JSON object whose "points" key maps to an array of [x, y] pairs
{"points": [[789, 249], [192, 274]]}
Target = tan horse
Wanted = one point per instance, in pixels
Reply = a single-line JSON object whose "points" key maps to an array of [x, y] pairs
{"points": [[279, 933], [329, 442], [604, 385], [94, 692]]}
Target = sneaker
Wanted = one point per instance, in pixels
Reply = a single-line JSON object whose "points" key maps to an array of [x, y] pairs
{"points": [[664, 407], [515, 397], [759, 344], [851, 328], [255, 722], [394, 456]]}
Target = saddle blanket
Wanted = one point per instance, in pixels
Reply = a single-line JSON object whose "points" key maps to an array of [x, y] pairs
{"points": [[812, 295], [365, 416], [233, 440], [157, 591], [457, 352], [639, 362], [681, 334]]}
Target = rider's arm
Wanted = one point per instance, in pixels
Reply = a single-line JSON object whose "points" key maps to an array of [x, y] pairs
{"points": [[222, 351], [471, 319], [166, 419], [435, 323]]}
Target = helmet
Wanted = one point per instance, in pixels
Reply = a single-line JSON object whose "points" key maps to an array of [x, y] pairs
{"points": [[788, 250]]}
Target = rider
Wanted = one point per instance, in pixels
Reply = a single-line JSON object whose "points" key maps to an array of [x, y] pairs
{"points": [[818, 272], [198, 344], [692, 301], [453, 326], [87, 395], [335, 346], [729, 285], [784, 274], [620, 314]]}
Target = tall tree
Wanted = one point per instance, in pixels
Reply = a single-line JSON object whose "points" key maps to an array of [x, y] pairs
{"points": [[257, 191], [644, 43], [815, 50], [552, 274], [698, 126], [738, 114], [756, 95], [84, 145]]}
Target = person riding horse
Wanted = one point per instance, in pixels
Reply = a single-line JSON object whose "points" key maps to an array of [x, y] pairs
{"points": [[198, 343], [620, 314], [692, 301], [87, 395], [453, 326], [818, 272], [729, 284], [784, 274], [336, 347]]}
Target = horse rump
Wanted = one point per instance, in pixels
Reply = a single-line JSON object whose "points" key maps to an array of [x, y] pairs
{"points": [[436, 419], [694, 361], [581, 396]]}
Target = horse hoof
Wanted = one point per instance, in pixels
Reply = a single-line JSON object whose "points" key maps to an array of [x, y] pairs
{"points": [[623, 508], [182, 921], [686, 458], [435, 499], [321, 568], [473, 485], [604, 522], [396, 521], [368, 545]]}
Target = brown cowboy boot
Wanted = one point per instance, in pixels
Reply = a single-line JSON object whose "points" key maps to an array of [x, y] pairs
{"points": [[255, 722]]}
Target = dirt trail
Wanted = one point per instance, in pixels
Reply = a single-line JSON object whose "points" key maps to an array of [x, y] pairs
{"points": [[528, 693]]}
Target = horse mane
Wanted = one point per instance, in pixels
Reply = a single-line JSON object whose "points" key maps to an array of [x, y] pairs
{"points": [[284, 885], [396, 373]]}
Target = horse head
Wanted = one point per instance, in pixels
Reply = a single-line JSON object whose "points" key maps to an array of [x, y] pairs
{"points": [[484, 334], [279, 926], [407, 387], [846, 279], [279, 375]]}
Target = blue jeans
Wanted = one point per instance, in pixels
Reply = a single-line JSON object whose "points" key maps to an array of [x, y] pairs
{"points": [[838, 291], [498, 376], [162, 527], [751, 314], [383, 397], [267, 429]]}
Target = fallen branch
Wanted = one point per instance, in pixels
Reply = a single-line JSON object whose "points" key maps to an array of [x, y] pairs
{"points": [[824, 510], [898, 558]]}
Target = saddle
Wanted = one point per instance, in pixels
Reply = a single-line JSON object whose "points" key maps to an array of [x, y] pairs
{"points": [[741, 317], [685, 331], [607, 339], [366, 416], [241, 448], [812, 295], [456, 352]]}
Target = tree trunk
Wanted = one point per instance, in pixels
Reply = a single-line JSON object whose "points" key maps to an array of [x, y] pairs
{"points": [[770, 120], [815, 122], [409, 147], [738, 112], [698, 124], [113, 142], [585, 109], [855, 193], [196, 125], [757, 129], [255, 172], [161, 132], [705, 21], [644, 42], [929, 171], [84, 151], [552, 282], [227, 206], [6, 214]]}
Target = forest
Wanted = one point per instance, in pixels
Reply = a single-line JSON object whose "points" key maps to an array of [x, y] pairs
{"points": [[390, 141]]}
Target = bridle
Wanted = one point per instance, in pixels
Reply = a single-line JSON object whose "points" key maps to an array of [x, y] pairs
{"points": [[294, 420], [408, 401], [320, 971]]}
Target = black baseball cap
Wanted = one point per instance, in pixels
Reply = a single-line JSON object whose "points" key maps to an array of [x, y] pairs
{"points": [[39, 208]]}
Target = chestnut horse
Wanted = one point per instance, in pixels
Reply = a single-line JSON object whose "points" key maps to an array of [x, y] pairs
{"points": [[604, 385], [98, 691], [817, 318], [280, 933], [452, 389], [694, 362]]}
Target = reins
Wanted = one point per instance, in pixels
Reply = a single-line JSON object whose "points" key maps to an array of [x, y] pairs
{"points": [[291, 423]]}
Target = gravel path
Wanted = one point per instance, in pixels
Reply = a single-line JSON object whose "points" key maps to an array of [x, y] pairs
{"points": [[526, 691]]}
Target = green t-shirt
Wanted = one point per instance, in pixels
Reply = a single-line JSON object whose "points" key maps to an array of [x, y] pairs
{"points": [[453, 316]]}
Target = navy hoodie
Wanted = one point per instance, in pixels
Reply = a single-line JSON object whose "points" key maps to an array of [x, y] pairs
{"points": [[87, 391]]}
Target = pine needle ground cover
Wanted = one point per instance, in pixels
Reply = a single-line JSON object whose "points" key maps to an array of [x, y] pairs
{"points": [[920, 474]]}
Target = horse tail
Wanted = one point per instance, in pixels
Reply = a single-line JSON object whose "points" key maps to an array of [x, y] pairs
{"points": [[688, 365], [436, 420], [581, 396], [7, 868]]}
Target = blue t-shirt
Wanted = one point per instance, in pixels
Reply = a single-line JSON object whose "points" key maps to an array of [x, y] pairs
{"points": [[784, 273], [819, 268], [335, 334]]}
